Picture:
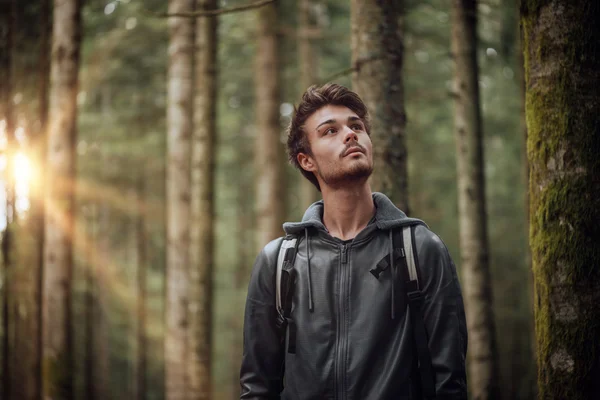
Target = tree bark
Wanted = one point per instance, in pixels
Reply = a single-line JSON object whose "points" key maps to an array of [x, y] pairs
{"points": [[309, 59], [142, 310], [202, 203], [562, 58], [477, 286], [100, 262], [179, 125], [7, 13], [269, 151], [377, 57], [59, 201], [244, 256], [7, 27], [90, 274], [37, 189]]}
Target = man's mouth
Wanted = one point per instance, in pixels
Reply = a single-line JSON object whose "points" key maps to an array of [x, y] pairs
{"points": [[352, 150]]}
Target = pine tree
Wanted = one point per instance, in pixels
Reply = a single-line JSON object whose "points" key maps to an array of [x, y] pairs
{"points": [[59, 201], [477, 284], [202, 203], [179, 126], [270, 199], [377, 57]]}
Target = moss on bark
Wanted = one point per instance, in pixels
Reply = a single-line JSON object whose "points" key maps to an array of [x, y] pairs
{"points": [[562, 56]]}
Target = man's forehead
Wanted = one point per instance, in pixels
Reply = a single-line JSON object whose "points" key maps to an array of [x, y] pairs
{"points": [[331, 113]]}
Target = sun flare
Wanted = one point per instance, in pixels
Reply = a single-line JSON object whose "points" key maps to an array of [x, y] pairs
{"points": [[23, 175], [22, 169]]}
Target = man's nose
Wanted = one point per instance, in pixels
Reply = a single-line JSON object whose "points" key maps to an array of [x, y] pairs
{"points": [[350, 135]]}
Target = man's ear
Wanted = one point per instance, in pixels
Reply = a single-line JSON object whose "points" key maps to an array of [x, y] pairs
{"points": [[306, 162]]}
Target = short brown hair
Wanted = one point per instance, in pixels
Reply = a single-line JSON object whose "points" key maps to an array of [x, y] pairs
{"points": [[312, 100]]}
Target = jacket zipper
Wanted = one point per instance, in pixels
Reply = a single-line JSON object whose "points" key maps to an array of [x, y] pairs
{"points": [[341, 345]]}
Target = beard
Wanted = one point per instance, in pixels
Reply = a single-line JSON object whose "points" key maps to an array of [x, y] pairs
{"points": [[356, 173]]}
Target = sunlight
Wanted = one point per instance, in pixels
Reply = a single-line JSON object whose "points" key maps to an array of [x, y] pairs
{"points": [[23, 175]]}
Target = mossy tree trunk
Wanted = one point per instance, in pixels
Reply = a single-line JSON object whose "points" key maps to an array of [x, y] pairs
{"points": [[377, 58], [59, 201], [270, 195], [179, 126], [562, 59], [477, 285], [202, 203], [308, 58]]}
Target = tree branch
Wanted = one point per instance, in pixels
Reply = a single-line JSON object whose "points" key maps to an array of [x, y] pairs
{"points": [[356, 67], [215, 12]]}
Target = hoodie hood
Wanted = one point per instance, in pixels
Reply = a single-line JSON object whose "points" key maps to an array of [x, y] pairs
{"points": [[387, 216]]}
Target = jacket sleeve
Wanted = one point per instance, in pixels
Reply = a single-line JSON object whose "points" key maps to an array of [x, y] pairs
{"points": [[261, 371], [443, 314]]}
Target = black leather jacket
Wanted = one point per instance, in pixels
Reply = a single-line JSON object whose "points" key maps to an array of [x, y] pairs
{"points": [[349, 343]]}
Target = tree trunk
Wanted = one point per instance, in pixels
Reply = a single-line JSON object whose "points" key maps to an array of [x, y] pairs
{"points": [[477, 285], [59, 201], [179, 125], [100, 263], [244, 259], [270, 194], [27, 255], [528, 359], [377, 56], [37, 188], [308, 58], [90, 275], [142, 310], [562, 58], [202, 203], [7, 26]]}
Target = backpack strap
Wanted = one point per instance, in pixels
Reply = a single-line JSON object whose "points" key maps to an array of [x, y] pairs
{"points": [[415, 304], [285, 279]]}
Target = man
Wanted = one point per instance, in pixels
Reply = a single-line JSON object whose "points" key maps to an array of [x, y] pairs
{"points": [[349, 332]]}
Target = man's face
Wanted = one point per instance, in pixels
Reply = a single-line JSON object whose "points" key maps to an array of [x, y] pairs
{"points": [[341, 148]]}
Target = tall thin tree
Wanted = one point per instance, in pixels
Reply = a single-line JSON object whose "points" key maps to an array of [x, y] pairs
{"points": [[562, 60], [179, 134], [142, 292], [7, 26], [483, 353], [308, 59], [37, 190], [377, 57], [268, 149], [202, 203], [59, 201]]}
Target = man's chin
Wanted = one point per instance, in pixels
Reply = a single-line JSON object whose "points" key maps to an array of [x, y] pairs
{"points": [[357, 174]]}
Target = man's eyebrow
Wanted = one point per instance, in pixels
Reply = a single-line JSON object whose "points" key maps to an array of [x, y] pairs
{"points": [[333, 121], [329, 121]]}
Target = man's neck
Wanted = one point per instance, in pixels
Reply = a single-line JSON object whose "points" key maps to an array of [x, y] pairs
{"points": [[347, 211]]}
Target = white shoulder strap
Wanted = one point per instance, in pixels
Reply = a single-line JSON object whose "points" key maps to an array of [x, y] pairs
{"points": [[410, 256], [286, 244]]}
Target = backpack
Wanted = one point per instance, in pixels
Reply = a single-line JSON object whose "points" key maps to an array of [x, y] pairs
{"points": [[404, 248]]}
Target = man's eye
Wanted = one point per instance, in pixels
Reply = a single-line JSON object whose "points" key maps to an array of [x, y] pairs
{"points": [[329, 131], [357, 127]]}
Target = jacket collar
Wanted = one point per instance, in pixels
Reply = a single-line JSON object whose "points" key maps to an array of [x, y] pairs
{"points": [[387, 216]]}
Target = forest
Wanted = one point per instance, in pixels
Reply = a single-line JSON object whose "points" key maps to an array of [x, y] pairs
{"points": [[143, 168]]}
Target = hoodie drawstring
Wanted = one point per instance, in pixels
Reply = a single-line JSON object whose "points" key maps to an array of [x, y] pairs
{"points": [[310, 299], [393, 271]]}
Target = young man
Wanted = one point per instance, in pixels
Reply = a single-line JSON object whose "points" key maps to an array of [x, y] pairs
{"points": [[352, 328]]}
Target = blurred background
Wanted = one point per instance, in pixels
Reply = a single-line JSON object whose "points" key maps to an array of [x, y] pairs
{"points": [[137, 163]]}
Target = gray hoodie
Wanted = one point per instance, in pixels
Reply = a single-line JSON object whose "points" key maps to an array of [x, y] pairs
{"points": [[352, 329]]}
